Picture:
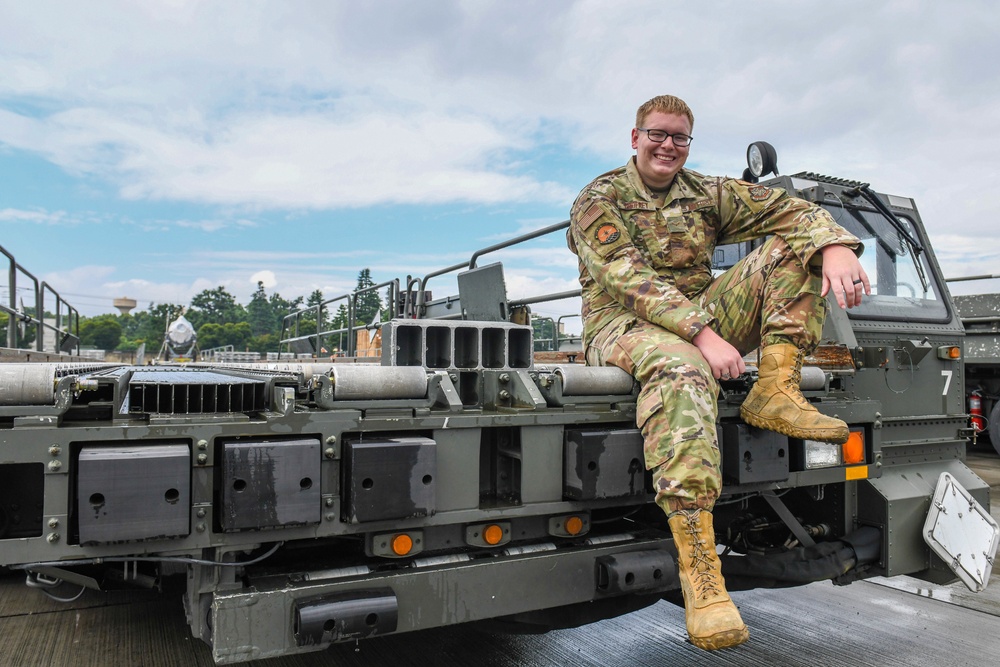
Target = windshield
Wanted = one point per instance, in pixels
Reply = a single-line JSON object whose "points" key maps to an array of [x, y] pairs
{"points": [[898, 288]]}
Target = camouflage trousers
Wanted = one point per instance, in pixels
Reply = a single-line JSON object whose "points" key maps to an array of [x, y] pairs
{"points": [[768, 297]]}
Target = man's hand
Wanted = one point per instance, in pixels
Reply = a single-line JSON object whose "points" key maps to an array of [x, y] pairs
{"points": [[843, 274], [725, 360]]}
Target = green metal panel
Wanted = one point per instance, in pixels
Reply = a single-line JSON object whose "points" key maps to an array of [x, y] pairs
{"points": [[897, 503]]}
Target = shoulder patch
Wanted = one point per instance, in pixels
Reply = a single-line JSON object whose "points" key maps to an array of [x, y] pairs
{"points": [[593, 213], [607, 233], [759, 192]]}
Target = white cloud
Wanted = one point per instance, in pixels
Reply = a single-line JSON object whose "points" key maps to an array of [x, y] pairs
{"points": [[266, 278], [211, 225], [300, 161], [329, 105], [37, 216], [147, 292]]}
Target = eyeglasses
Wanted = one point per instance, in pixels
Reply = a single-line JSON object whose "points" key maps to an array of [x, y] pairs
{"points": [[659, 136]]}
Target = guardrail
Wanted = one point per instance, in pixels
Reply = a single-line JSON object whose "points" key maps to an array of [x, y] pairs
{"points": [[22, 319], [412, 303], [295, 339]]}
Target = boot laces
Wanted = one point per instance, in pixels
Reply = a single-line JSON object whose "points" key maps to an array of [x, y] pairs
{"points": [[795, 377], [703, 568]]}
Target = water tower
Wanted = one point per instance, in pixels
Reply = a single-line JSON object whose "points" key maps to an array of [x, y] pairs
{"points": [[124, 304]]}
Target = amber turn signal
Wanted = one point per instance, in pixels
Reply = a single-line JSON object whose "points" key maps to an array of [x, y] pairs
{"points": [[574, 525], [854, 448], [493, 534], [402, 544], [949, 352]]}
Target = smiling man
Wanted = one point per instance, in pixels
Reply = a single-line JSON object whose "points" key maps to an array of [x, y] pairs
{"points": [[645, 235]]}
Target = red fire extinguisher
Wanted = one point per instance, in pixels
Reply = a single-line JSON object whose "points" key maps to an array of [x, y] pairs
{"points": [[976, 411]]}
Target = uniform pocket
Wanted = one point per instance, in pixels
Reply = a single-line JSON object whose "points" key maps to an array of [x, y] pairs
{"points": [[601, 349], [647, 406], [657, 443]]}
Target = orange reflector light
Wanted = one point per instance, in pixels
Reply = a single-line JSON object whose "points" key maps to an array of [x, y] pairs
{"points": [[402, 544], [856, 472], [493, 534], [574, 525], [949, 352], [854, 448]]}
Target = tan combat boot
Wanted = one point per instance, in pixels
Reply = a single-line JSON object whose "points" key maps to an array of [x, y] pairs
{"points": [[713, 622], [777, 404]]}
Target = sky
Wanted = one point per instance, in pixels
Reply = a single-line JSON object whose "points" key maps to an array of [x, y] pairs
{"points": [[156, 149]]}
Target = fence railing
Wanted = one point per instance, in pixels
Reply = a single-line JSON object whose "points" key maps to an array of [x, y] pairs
{"points": [[341, 338], [29, 324], [412, 303]]}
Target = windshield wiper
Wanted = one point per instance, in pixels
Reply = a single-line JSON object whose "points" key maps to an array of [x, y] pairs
{"points": [[897, 224]]}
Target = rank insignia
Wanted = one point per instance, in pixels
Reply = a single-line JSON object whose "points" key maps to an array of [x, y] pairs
{"points": [[607, 233]]}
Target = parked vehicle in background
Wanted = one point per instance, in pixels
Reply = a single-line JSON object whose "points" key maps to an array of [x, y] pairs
{"points": [[980, 315]]}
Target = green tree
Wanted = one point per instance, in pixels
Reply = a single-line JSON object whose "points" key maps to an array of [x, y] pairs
{"points": [[388, 313], [315, 299], [340, 319], [544, 333], [212, 335], [217, 306], [24, 333], [368, 304], [148, 326], [103, 332], [281, 307], [265, 343], [259, 312], [338, 342]]}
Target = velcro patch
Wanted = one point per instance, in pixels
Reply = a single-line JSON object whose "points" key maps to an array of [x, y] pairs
{"points": [[636, 206], [607, 233], [759, 192], [697, 204], [592, 214]]}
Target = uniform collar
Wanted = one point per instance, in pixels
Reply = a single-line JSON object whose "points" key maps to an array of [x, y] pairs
{"points": [[679, 189]]}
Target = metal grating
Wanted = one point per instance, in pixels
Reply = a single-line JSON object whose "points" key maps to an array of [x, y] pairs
{"points": [[831, 180], [185, 392]]}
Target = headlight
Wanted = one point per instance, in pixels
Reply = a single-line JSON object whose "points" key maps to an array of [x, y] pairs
{"points": [[826, 454], [821, 454], [762, 159]]}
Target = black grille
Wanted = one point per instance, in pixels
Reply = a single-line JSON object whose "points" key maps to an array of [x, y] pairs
{"points": [[189, 392]]}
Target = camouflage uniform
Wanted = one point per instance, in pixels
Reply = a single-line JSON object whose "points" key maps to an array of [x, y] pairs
{"points": [[648, 290]]}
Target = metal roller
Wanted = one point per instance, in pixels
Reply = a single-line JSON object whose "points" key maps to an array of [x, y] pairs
{"points": [[363, 381], [27, 384], [307, 370], [813, 378], [594, 380]]}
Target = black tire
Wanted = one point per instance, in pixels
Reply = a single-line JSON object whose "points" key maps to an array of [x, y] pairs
{"points": [[993, 428]]}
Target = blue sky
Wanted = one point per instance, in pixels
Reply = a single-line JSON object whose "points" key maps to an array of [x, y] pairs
{"points": [[157, 149]]}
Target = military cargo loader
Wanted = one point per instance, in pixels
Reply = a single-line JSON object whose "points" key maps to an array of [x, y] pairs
{"points": [[980, 315], [455, 479]]}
